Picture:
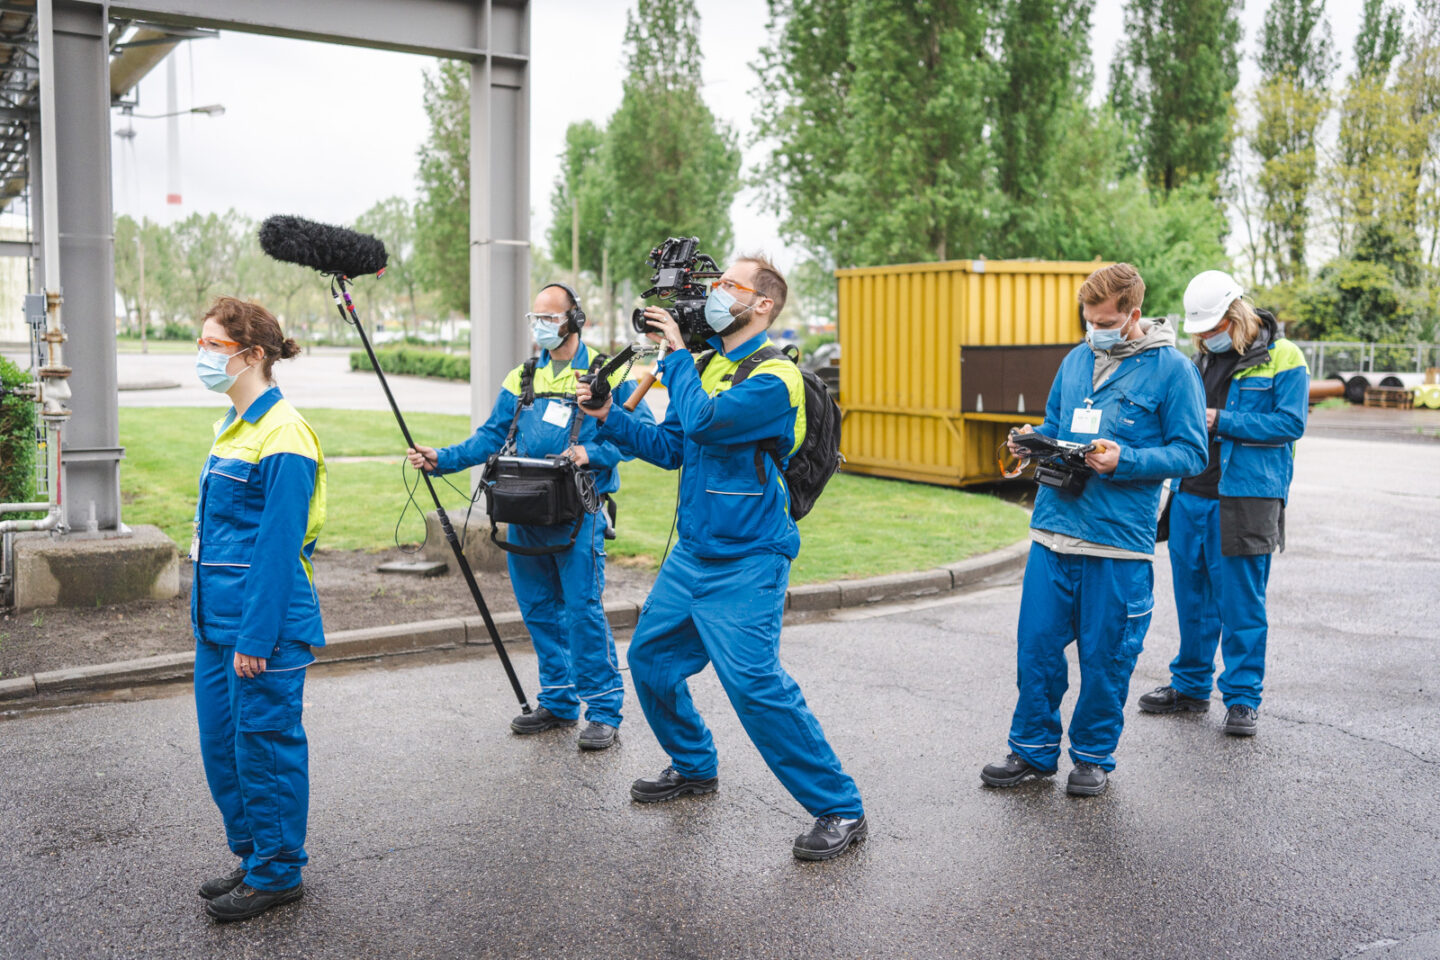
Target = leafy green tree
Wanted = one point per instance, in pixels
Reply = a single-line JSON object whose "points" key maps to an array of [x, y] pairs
{"points": [[878, 109], [673, 168], [1043, 74], [1297, 59], [442, 215], [1171, 83], [393, 221], [206, 249], [583, 184]]}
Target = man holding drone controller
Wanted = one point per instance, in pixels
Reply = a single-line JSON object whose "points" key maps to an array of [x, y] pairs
{"points": [[720, 594], [559, 571], [1137, 404]]}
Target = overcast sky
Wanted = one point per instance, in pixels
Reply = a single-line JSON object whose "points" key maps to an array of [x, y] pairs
{"points": [[325, 131]]}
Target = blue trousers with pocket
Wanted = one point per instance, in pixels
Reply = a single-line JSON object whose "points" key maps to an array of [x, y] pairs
{"points": [[1220, 602], [1101, 605], [562, 598], [727, 613], [256, 758]]}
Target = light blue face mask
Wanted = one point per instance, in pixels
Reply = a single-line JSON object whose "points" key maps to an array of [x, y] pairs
{"points": [[717, 309], [547, 333], [210, 368], [1105, 340], [1219, 342]]}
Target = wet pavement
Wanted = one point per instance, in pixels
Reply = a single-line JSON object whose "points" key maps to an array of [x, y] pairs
{"points": [[436, 833]]}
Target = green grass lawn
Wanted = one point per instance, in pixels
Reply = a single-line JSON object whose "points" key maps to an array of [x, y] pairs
{"points": [[861, 527]]}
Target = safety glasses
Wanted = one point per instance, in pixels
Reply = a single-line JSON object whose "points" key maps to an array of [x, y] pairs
{"points": [[216, 346], [547, 317], [733, 287]]}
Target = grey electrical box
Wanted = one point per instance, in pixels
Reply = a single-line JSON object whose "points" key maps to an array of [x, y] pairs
{"points": [[35, 309]]}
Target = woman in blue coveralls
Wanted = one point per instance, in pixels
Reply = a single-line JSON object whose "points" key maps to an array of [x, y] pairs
{"points": [[1226, 522], [561, 591], [253, 609]]}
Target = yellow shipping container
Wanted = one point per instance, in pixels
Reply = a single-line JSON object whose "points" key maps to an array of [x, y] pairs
{"points": [[904, 331]]}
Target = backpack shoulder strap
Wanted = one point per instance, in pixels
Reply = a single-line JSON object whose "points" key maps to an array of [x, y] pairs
{"points": [[526, 398], [703, 361], [748, 365]]}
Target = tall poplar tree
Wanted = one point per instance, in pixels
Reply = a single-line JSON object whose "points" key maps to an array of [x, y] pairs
{"points": [[442, 215], [1171, 83]]}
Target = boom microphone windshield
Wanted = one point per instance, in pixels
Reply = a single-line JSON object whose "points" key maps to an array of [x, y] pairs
{"points": [[322, 247]]}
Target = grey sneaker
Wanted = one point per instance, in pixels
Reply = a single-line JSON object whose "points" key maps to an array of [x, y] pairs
{"points": [[598, 736], [1170, 700], [541, 719]]}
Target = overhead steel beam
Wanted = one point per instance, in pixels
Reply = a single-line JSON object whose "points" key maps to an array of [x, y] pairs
{"points": [[436, 28], [17, 248]]}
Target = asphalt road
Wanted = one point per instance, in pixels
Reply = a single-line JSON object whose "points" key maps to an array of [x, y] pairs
{"points": [[435, 833]]}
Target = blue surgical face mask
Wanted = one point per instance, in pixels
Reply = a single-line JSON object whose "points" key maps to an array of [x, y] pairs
{"points": [[547, 333], [1106, 340], [210, 368], [1219, 342], [717, 309]]}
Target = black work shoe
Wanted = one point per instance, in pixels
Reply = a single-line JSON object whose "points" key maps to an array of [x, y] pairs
{"points": [[830, 837], [1086, 780], [669, 785], [211, 889], [598, 736], [1170, 700], [1240, 721], [541, 719], [1010, 771], [245, 901]]}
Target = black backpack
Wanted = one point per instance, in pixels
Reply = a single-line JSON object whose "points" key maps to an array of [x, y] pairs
{"points": [[811, 466]]}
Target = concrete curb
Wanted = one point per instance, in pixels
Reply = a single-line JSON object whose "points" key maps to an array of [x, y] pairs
{"points": [[456, 632]]}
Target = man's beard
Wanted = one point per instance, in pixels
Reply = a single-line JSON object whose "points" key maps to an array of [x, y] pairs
{"points": [[736, 325]]}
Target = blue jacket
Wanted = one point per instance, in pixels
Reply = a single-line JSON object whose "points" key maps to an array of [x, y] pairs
{"points": [[1265, 411], [261, 507], [538, 437], [733, 503], [1153, 406]]}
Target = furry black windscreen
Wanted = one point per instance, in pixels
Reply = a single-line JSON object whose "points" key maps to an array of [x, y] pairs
{"points": [[322, 247]]}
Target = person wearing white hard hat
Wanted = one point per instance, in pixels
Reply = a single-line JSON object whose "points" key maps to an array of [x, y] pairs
{"points": [[1227, 522]]}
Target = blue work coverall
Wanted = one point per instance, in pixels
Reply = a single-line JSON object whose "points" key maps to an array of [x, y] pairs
{"points": [[561, 595], [721, 593], [1153, 407], [1220, 569], [261, 507]]}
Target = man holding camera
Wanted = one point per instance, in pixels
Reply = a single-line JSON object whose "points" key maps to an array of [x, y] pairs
{"points": [[559, 584], [721, 593], [1089, 577]]}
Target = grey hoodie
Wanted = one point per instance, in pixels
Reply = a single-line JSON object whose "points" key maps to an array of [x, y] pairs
{"points": [[1154, 334]]}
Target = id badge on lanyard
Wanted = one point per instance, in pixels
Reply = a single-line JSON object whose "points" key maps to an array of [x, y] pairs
{"points": [[1086, 419]]}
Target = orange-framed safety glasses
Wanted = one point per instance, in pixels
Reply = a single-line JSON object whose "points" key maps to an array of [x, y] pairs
{"points": [[216, 346], [732, 286]]}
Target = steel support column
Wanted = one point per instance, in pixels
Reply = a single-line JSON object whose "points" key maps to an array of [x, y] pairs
{"points": [[87, 260], [499, 202]]}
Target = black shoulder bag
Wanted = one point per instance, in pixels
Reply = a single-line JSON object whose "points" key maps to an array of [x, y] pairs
{"points": [[535, 491]]}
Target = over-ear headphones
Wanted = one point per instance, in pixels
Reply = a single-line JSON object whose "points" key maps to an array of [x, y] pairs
{"points": [[575, 316]]}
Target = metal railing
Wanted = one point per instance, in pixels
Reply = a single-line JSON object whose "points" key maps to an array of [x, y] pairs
{"points": [[1328, 358]]}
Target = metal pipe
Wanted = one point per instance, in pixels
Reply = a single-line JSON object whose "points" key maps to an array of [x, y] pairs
{"points": [[49, 522], [24, 507]]}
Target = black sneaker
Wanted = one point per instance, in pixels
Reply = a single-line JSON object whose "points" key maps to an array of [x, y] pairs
{"points": [[670, 785], [1010, 771], [598, 736], [1240, 721], [211, 889], [541, 719], [830, 837], [245, 901], [1086, 780], [1170, 700]]}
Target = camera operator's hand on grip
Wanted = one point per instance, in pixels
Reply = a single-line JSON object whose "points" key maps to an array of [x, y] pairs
{"points": [[593, 402]]}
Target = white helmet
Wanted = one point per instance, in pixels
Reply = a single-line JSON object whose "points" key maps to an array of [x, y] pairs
{"points": [[1207, 298]]}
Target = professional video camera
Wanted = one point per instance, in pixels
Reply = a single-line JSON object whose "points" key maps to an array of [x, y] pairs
{"points": [[677, 264], [1058, 463]]}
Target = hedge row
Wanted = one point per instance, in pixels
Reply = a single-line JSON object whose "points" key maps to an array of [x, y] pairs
{"points": [[17, 437], [418, 363]]}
